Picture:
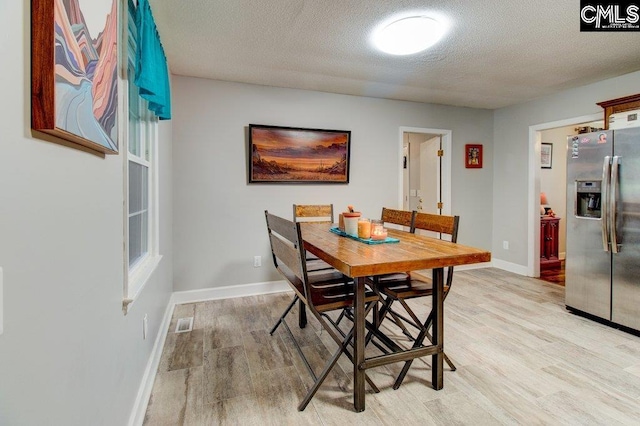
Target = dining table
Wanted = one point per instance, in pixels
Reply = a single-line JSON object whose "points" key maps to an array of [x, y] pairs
{"points": [[412, 252]]}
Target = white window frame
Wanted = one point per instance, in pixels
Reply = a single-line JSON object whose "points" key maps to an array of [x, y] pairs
{"points": [[137, 275]]}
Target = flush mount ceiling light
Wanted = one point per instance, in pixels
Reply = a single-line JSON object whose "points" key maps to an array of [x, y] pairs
{"points": [[409, 35]]}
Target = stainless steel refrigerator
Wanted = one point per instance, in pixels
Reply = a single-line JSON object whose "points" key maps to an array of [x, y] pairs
{"points": [[602, 269]]}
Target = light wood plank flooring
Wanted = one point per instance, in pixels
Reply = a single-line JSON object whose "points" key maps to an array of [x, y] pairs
{"points": [[521, 358]]}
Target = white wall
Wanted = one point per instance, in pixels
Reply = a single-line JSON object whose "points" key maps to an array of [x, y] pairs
{"points": [[219, 219], [68, 355], [511, 155], [415, 160], [429, 175]]}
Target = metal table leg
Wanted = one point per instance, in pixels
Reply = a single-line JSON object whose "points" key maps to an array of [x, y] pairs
{"points": [[438, 328]]}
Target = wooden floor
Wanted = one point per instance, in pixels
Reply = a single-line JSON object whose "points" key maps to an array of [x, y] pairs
{"points": [[554, 275], [522, 360]]}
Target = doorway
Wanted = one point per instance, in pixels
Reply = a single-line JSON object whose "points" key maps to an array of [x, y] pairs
{"points": [[425, 181], [553, 191], [554, 183]]}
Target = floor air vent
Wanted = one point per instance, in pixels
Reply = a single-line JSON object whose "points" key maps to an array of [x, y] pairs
{"points": [[184, 325]]}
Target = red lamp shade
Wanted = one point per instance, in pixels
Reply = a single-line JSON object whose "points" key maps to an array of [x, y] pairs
{"points": [[543, 199]]}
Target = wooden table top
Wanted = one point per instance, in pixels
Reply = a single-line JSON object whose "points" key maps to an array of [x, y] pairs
{"points": [[413, 252]]}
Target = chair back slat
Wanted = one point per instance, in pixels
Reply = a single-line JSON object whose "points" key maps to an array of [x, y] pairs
{"points": [[282, 226], [286, 254], [437, 223], [397, 217], [442, 224], [287, 249], [313, 213], [286, 246]]}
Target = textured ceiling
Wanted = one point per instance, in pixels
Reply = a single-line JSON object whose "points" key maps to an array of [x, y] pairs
{"points": [[496, 53]]}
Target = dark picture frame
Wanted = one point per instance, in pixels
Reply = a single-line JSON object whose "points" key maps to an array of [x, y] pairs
{"points": [[546, 155], [473, 156], [74, 72], [298, 155]]}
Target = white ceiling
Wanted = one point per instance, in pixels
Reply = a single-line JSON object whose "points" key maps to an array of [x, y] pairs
{"points": [[497, 53]]}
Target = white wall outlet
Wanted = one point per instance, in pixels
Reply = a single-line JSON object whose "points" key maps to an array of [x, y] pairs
{"points": [[145, 323], [505, 245], [257, 261], [1, 303]]}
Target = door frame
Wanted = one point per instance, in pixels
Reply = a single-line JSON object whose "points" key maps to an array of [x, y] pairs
{"points": [[533, 233], [445, 172]]}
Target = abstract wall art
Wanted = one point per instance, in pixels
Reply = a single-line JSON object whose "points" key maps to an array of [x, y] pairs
{"points": [[298, 155], [74, 71]]}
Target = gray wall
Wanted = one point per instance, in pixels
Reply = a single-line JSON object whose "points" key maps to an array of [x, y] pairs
{"points": [[219, 219], [511, 155], [68, 355]]}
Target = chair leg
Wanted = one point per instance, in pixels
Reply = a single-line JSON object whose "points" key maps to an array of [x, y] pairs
{"points": [[325, 372], [286, 311], [423, 333], [323, 318], [302, 314], [449, 363]]}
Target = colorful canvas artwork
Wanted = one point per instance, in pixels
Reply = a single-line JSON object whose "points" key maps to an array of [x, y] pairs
{"points": [[83, 51], [296, 155]]}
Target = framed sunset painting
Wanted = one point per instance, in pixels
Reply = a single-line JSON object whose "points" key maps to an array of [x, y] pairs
{"points": [[74, 67], [298, 155]]}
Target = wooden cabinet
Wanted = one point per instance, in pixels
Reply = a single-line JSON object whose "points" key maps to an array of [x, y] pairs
{"points": [[549, 227], [613, 106]]}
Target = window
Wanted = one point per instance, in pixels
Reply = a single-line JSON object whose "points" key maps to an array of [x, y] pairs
{"points": [[141, 218]]}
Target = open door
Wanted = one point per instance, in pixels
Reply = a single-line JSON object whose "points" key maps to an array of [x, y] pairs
{"points": [[422, 172]]}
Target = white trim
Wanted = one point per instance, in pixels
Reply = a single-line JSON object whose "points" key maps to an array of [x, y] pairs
{"points": [[228, 292], [474, 266], [146, 384], [138, 280], [446, 164], [533, 231], [510, 267]]}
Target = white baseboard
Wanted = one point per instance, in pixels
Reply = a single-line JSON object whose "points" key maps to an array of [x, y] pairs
{"points": [[474, 266], [229, 292], [510, 267], [146, 385]]}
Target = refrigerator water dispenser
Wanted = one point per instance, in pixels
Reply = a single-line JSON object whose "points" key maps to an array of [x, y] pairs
{"points": [[588, 198]]}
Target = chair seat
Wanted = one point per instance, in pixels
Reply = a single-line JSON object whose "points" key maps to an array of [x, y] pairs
{"points": [[332, 290], [407, 287], [316, 264]]}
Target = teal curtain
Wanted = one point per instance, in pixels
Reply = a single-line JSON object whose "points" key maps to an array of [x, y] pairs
{"points": [[152, 74]]}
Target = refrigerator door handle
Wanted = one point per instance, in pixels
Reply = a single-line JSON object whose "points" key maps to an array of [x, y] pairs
{"points": [[613, 204], [606, 180]]}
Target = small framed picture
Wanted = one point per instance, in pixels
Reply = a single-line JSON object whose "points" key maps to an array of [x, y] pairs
{"points": [[473, 156], [546, 152]]}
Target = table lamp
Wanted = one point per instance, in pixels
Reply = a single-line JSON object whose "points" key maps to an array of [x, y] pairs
{"points": [[543, 202]]}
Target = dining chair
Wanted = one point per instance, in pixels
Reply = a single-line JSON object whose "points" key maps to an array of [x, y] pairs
{"points": [[321, 293], [402, 218], [398, 217], [314, 213], [398, 288]]}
